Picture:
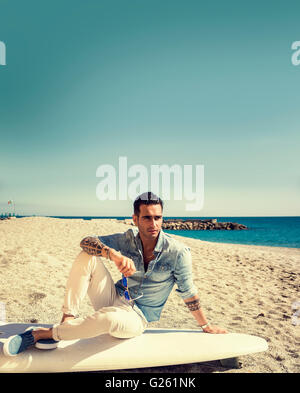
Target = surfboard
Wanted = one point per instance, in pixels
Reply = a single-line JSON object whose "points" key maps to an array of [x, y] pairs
{"points": [[155, 347]]}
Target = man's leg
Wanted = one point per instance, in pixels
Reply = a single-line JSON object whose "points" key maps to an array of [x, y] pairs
{"points": [[88, 275], [113, 315]]}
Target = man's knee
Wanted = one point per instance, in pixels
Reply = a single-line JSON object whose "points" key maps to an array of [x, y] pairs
{"points": [[125, 325], [85, 261], [84, 256]]}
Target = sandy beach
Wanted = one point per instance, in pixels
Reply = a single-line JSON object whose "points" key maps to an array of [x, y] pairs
{"points": [[246, 289]]}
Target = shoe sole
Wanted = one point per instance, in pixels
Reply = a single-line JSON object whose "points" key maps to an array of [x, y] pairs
{"points": [[6, 346], [41, 345]]}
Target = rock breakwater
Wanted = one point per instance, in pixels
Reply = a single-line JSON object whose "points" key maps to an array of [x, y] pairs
{"points": [[197, 225], [201, 225]]}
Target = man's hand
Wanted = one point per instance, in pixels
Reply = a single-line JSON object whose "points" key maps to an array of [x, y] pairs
{"points": [[93, 246], [193, 304], [125, 265], [214, 330]]}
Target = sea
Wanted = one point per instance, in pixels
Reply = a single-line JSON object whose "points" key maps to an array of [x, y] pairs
{"points": [[262, 231]]}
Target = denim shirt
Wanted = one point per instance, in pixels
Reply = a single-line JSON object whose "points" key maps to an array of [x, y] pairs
{"points": [[172, 264]]}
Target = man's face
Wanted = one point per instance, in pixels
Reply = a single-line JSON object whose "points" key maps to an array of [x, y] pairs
{"points": [[149, 221]]}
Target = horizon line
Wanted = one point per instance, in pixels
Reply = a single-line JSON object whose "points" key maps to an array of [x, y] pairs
{"points": [[59, 216]]}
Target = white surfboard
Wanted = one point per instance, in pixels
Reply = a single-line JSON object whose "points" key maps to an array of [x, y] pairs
{"points": [[155, 347]]}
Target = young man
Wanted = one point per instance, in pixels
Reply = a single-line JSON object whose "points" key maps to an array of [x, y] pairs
{"points": [[150, 261]]}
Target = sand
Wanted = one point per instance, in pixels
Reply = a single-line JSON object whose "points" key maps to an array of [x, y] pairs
{"points": [[246, 289]]}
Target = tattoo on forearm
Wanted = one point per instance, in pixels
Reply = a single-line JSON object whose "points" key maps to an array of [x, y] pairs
{"points": [[193, 305], [93, 246]]}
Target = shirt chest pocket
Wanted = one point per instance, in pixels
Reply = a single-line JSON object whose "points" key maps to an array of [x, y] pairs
{"points": [[162, 271]]}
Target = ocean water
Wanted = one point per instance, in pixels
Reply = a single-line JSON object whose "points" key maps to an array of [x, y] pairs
{"points": [[262, 231]]}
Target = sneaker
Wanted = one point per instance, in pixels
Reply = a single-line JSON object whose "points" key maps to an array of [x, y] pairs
{"points": [[18, 343], [45, 343]]}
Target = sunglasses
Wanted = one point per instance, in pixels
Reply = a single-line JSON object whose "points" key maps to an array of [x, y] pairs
{"points": [[126, 292]]}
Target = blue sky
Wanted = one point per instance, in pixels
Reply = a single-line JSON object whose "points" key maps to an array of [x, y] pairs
{"points": [[159, 82]]}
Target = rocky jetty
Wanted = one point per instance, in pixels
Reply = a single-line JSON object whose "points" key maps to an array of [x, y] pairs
{"points": [[201, 225], [197, 224]]}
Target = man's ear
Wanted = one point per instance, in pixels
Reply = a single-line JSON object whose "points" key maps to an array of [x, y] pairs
{"points": [[135, 219]]}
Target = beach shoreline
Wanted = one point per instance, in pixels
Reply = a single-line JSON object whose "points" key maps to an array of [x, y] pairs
{"points": [[244, 288]]}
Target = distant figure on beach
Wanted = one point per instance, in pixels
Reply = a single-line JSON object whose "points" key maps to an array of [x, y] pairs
{"points": [[150, 261]]}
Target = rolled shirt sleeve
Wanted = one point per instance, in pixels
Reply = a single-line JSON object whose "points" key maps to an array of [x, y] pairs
{"points": [[184, 275], [117, 241]]}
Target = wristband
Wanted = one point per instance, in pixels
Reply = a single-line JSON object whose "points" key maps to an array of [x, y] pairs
{"points": [[205, 326], [107, 249]]}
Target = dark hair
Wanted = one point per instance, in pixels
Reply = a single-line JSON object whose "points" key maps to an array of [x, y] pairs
{"points": [[147, 198]]}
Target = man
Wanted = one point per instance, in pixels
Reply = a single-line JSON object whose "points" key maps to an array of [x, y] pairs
{"points": [[150, 261]]}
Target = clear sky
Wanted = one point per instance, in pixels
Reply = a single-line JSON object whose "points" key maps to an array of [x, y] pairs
{"points": [[159, 82]]}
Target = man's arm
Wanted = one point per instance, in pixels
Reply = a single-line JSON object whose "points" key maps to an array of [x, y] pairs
{"points": [[93, 246], [193, 304], [188, 291]]}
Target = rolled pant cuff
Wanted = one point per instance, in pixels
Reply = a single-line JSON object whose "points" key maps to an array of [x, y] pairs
{"points": [[55, 332]]}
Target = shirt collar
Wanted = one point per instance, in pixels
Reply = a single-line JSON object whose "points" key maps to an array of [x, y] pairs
{"points": [[160, 244]]}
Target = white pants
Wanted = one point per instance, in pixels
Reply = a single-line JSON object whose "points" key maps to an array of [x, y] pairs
{"points": [[113, 314]]}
